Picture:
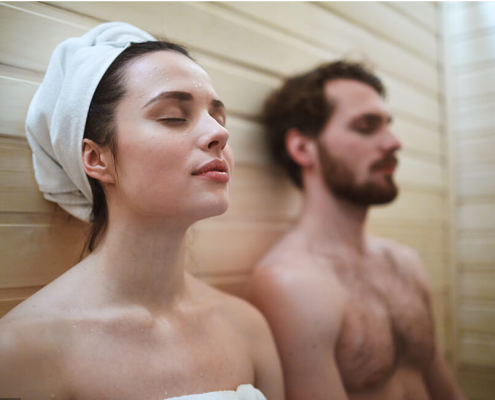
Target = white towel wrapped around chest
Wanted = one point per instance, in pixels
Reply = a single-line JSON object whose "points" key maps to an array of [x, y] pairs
{"points": [[243, 392]]}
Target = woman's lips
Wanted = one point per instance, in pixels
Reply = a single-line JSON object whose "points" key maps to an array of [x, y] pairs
{"points": [[215, 170], [215, 176]]}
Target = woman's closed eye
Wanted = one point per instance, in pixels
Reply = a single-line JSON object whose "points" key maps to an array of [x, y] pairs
{"points": [[172, 120], [221, 120]]}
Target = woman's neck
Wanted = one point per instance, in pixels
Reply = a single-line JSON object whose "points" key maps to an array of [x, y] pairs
{"points": [[141, 261]]}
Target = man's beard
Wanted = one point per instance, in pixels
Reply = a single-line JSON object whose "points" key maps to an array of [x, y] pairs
{"points": [[340, 181]]}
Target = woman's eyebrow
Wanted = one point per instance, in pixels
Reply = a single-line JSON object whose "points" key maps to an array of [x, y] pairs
{"points": [[181, 96], [217, 104]]}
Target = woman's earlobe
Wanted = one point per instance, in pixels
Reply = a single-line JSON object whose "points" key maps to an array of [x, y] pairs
{"points": [[300, 147], [97, 162]]}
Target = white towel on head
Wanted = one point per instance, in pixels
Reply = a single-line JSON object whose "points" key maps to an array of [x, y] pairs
{"points": [[243, 392], [57, 115]]}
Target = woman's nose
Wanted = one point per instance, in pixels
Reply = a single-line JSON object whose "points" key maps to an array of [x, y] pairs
{"points": [[216, 137]]}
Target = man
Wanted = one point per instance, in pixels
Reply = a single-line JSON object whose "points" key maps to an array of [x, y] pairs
{"points": [[351, 313]]}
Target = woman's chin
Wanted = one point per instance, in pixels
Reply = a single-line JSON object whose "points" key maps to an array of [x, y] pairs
{"points": [[210, 209]]}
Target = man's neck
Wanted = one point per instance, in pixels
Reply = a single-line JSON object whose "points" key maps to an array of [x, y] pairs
{"points": [[326, 217]]}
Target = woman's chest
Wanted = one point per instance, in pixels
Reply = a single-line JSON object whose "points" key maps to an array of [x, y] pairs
{"points": [[158, 365]]}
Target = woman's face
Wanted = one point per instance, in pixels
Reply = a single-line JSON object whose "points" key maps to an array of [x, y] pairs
{"points": [[172, 157]]}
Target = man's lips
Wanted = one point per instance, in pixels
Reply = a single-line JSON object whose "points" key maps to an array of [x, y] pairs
{"points": [[216, 170], [386, 165]]}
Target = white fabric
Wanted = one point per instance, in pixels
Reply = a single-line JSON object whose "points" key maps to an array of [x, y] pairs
{"points": [[243, 392], [57, 115]]}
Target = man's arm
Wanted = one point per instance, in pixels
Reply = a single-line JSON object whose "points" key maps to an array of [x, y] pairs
{"points": [[439, 380], [304, 315], [437, 376]]}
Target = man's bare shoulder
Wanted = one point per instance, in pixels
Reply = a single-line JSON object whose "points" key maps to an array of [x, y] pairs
{"points": [[404, 257], [243, 316], [291, 285], [290, 264]]}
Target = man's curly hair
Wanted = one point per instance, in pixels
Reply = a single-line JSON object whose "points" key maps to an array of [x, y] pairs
{"points": [[300, 103]]}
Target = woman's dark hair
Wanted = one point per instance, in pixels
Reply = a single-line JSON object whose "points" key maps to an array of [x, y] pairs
{"points": [[100, 123], [301, 103]]}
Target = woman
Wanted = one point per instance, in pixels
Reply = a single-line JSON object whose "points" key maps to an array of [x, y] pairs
{"points": [[128, 322]]}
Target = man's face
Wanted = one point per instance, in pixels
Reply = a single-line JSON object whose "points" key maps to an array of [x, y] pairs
{"points": [[356, 147]]}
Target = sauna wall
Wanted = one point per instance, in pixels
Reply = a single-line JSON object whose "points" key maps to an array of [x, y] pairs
{"points": [[470, 44], [247, 48]]}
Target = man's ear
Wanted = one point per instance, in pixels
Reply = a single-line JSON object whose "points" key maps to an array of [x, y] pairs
{"points": [[98, 163], [301, 147]]}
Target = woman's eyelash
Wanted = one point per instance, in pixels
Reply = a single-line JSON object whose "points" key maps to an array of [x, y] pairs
{"points": [[172, 120]]}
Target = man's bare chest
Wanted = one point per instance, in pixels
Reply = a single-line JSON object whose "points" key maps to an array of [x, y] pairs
{"points": [[386, 321]]}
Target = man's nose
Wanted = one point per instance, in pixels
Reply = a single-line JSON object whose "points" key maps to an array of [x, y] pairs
{"points": [[390, 142]]}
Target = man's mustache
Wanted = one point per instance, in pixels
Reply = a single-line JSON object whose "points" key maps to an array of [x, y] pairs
{"points": [[386, 162]]}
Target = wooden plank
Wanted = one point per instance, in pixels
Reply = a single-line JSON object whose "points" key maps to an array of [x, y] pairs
{"points": [[421, 12], [439, 308], [243, 91], [477, 250], [477, 319], [7, 305], [248, 43], [474, 51], [36, 255], [413, 103], [21, 30], [247, 140], [420, 172], [418, 138], [230, 79], [476, 383], [388, 23], [262, 193], [472, 117], [467, 20], [476, 217], [481, 183], [478, 82], [235, 285], [9, 298], [478, 286], [307, 21], [429, 241], [243, 244], [478, 353], [14, 104], [413, 208], [451, 270], [18, 188], [478, 151]]}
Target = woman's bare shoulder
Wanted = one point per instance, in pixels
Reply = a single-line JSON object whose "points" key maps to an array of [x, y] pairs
{"points": [[32, 338]]}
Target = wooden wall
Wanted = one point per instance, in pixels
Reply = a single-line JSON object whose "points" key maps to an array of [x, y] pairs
{"points": [[247, 48], [470, 45]]}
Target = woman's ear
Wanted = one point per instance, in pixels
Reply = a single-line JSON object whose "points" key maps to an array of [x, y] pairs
{"points": [[301, 147], [98, 163]]}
